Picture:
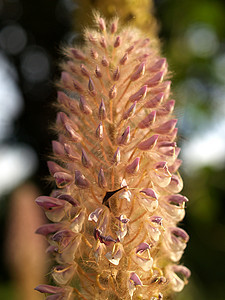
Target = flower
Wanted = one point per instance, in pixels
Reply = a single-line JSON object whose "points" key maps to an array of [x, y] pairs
{"points": [[117, 202]]}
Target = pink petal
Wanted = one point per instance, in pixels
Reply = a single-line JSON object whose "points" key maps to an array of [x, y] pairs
{"points": [[139, 72], [134, 166], [80, 180], [148, 121], [149, 143], [140, 94], [49, 289]]}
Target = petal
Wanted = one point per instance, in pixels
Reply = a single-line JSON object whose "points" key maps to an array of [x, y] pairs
{"points": [[116, 254], [125, 137], [139, 72], [48, 228], [142, 247], [49, 289], [80, 180], [95, 215], [149, 143], [135, 279], [147, 121], [78, 221], [62, 274], [134, 166], [140, 94], [62, 179]]}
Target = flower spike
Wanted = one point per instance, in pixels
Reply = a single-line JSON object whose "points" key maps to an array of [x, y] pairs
{"points": [[116, 201]]}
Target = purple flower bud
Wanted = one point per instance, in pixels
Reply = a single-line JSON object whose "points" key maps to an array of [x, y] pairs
{"points": [[99, 131], [176, 184], [134, 166], [49, 289], [182, 270], [148, 144], [180, 233], [139, 94], [113, 92], [63, 237], [49, 203], [133, 281], [72, 133], [139, 72], [54, 167], [142, 247], [98, 72], [117, 42], [55, 209], [62, 179], [84, 71], [148, 121], [105, 62], [80, 180], [166, 109], [159, 65], [177, 199], [107, 240], [155, 80], [148, 199], [150, 193], [72, 154], [86, 162], [101, 24], [69, 199], [166, 127], [78, 54], [102, 111], [124, 59], [135, 278], [113, 28], [155, 101], [91, 88], [116, 156], [47, 229], [101, 179], [125, 137], [116, 74], [156, 219], [58, 148], [94, 54], [84, 107], [78, 87], [67, 80], [161, 175], [130, 112], [130, 49]]}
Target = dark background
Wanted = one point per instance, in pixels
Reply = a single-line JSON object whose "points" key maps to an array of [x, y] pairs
{"points": [[192, 34]]}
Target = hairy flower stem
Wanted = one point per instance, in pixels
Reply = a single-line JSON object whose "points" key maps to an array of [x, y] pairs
{"points": [[116, 204]]}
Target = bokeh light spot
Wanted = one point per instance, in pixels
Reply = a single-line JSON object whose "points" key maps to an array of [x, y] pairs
{"points": [[219, 67], [11, 101], [16, 164], [35, 64], [202, 40], [13, 39]]}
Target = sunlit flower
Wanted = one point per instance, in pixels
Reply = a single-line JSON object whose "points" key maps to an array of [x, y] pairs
{"points": [[116, 203]]}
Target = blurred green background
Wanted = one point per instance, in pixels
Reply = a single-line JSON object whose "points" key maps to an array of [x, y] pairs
{"points": [[192, 35]]}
